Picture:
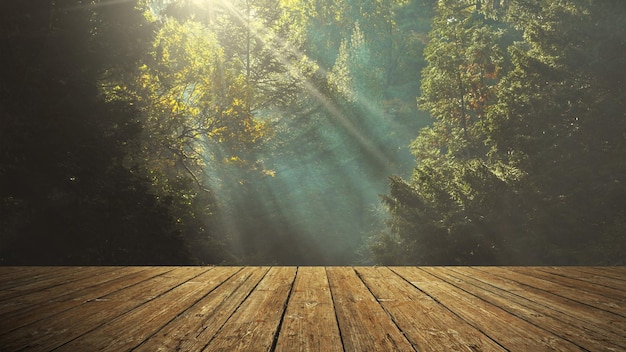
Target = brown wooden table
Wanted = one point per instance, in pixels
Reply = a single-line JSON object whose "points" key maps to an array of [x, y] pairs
{"points": [[313, 308]]}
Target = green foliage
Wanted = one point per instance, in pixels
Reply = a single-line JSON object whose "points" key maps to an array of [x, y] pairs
{"points": [[65, 195], [260, 131], [564, 125], [523, 162]]}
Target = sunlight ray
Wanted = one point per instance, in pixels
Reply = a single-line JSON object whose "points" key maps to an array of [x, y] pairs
{"points": [[261, 33]]}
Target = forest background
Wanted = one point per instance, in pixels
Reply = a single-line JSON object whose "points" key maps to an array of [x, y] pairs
{"points": [[323, 132]]}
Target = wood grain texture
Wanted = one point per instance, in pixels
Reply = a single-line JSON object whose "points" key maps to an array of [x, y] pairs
{"points": [[124, 333], [309, 323], [253, 326], [192, 330], [488, 318], [590, 276], [16, 313], [594, 319], [575, 330], [428, 325], [312, 308], [584, 294], [363, 323], [60, 329]]}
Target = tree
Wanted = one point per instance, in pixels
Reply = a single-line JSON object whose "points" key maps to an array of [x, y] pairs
{"points": [[503, 171], [560, 120], [442, 215], [66, 196], [259, 76], [466, 61]]}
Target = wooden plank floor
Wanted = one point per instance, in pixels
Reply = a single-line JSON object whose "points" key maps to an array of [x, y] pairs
{"points": [[313, 308]]}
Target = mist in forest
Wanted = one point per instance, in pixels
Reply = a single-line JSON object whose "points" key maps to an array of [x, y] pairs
{"points": [[298, 132], [321, 201], [312, 194]]}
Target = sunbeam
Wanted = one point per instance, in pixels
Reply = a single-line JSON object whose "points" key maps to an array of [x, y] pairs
{"points": [[289, 50], [180, 132], [310, 211]]}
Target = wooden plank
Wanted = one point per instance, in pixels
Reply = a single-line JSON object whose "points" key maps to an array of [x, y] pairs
{"points": [[37, 298], [309, 323], [618, 273], [9, 273], [364, 308], [131, 329], [254, 325], [54, 331], [614, 271], [569, 328], [193, 329], [427, 324], [363, 323], [592, 299], [509, 331], [589, 276], [47, 279], [573, 281], [62, 286], [17, 276], [14, 317], [594, 319]]}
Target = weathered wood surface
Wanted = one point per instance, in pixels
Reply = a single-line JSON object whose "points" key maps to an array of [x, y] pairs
{"points": [[313, 308]]}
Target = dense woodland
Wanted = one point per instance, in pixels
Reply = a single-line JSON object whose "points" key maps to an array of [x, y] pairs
{"points": [[313, 132]]}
